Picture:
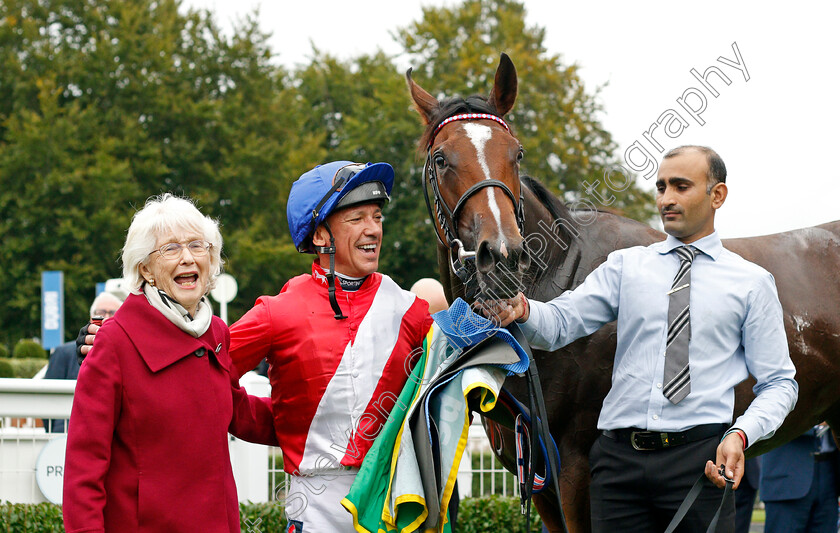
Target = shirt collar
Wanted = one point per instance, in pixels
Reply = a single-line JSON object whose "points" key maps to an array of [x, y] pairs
{"points": [[320, 275], [709, 245]]}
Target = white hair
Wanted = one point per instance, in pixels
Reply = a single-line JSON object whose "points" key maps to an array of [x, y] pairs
{"points": [[101, 297], [162, 214]]}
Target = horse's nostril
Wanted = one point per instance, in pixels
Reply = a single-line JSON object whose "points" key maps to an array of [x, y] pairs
{"points": [[484, 261]]}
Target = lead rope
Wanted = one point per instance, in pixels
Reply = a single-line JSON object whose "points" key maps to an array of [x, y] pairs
{"points": [[539, 427], [689, 501]]}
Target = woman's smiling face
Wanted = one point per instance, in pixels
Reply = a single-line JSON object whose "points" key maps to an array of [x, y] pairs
{"points": [[185, 277]]}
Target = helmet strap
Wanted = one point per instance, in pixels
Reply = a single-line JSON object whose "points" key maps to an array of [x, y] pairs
{"points": [[331, 274]]}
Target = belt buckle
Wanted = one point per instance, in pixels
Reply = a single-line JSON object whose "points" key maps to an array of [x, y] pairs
{"points": [[636, 446]]}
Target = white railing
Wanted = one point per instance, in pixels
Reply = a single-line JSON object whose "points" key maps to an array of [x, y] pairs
{"points": [[24, 402]]}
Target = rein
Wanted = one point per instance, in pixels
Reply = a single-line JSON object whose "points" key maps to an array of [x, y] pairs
{"points": [[461, 261]]}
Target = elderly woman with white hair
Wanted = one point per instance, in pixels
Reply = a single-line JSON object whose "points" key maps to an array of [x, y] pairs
{"points": [[147, 448]]}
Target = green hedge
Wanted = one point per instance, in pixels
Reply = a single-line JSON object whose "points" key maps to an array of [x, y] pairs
{"points": [[30, 518], [29, 349], [475, 515], [21, 368], [494, 513], [6, 369]]}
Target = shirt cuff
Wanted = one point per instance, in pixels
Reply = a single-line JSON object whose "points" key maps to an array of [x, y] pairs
{"points": [[531, 327]]}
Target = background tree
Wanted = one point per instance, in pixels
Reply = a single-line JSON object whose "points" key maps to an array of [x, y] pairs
{"points": [[107, 103], [103, 104], [455, 51]]}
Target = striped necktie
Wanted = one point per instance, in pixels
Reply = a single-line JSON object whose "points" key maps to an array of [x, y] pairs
{"points": [[677, 377]]}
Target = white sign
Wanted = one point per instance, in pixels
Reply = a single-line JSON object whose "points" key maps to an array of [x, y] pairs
{"points": [[226, 288], [224, 292], [49, 470], [117, 287], [52, 314]]}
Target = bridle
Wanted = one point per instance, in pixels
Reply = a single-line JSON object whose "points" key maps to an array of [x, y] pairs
{"points": [[462, 264], [461, 261]]}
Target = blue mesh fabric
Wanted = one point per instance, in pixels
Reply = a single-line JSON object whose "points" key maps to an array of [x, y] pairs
{"points": [[464, 328]]}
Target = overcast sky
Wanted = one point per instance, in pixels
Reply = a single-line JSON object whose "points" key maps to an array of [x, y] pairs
{"points": [[777, 131]]}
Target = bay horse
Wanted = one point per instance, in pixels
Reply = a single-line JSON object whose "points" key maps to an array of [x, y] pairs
{"points": [[500, 232]]}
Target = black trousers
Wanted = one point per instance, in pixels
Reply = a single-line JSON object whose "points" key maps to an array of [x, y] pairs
{"points": [[636, 491]]}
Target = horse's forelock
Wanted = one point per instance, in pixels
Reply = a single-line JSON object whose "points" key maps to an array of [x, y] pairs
{"points": [[452, 106]]}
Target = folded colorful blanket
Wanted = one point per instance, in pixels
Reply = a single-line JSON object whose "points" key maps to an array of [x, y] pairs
{"points": [[407, 478]]}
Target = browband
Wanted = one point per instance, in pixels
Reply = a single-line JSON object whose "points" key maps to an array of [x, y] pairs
{"points": [[467, 116]]}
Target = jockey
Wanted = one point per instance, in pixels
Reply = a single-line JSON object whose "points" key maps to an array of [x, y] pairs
{"points": [[338, 341]]}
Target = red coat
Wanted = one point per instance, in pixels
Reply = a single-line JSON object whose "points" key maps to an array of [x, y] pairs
{"points": [[147, 448]]}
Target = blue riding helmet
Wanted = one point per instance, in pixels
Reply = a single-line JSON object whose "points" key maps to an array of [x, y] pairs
{"points": [[327, 188]]}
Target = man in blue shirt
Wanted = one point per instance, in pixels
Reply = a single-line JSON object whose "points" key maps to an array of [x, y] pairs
{"points": [[658, 433]]}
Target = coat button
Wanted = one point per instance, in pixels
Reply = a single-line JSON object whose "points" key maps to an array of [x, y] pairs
{"points": [[200, 352]]}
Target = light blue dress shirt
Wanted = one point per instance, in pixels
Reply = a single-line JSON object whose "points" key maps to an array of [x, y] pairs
{"points": [[736, 329]]}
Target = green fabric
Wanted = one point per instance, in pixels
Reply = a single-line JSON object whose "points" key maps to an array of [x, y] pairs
{"points": [[367, 497]]}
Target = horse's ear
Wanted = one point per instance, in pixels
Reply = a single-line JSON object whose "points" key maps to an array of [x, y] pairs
{"points": [[503, 94], [425, 103]]}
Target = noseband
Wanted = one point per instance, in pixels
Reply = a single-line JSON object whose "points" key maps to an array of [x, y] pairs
{"points": [[448, 219]]}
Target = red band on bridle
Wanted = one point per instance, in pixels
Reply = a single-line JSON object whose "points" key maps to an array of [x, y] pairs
{"points": [[467, 116]]}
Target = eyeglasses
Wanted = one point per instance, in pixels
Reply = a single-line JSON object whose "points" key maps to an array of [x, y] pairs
{"points": [[104, 313], [341, 177], [345, 173], [172, 250]]}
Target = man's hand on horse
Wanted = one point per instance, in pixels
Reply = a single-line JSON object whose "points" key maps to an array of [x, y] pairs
{"points": [[730, 454], [503, 312]]}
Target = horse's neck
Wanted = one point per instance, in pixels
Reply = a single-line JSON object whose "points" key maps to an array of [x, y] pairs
{"points": [[607, 233], [578, 241]]}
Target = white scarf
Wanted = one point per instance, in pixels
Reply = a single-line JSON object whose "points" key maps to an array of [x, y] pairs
{"points": [[177, 314]]}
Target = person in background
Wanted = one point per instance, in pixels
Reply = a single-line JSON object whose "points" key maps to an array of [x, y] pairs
{"points": [[63, 361], [800, 484], [147, 447], [432, 292]]}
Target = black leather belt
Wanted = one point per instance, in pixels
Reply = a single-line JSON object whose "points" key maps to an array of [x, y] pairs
{"points": [[824, 456], [644, 440]]}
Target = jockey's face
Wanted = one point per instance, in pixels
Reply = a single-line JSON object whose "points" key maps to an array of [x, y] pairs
{"points": [[358, 239], [684, 201]]}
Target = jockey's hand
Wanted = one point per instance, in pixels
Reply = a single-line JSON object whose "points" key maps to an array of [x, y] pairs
{"points": [[503, 312], [84, 342], [730, 454]]}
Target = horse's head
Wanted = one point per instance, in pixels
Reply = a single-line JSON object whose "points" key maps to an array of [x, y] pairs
{"points": [[472, 167]]}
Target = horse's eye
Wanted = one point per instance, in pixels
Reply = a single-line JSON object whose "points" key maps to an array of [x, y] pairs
{"points": [[520, 155], [440, 161]]}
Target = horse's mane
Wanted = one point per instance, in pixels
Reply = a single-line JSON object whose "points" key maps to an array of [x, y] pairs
{"points": [[455, 105], [551, 202], [555, 206]]}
